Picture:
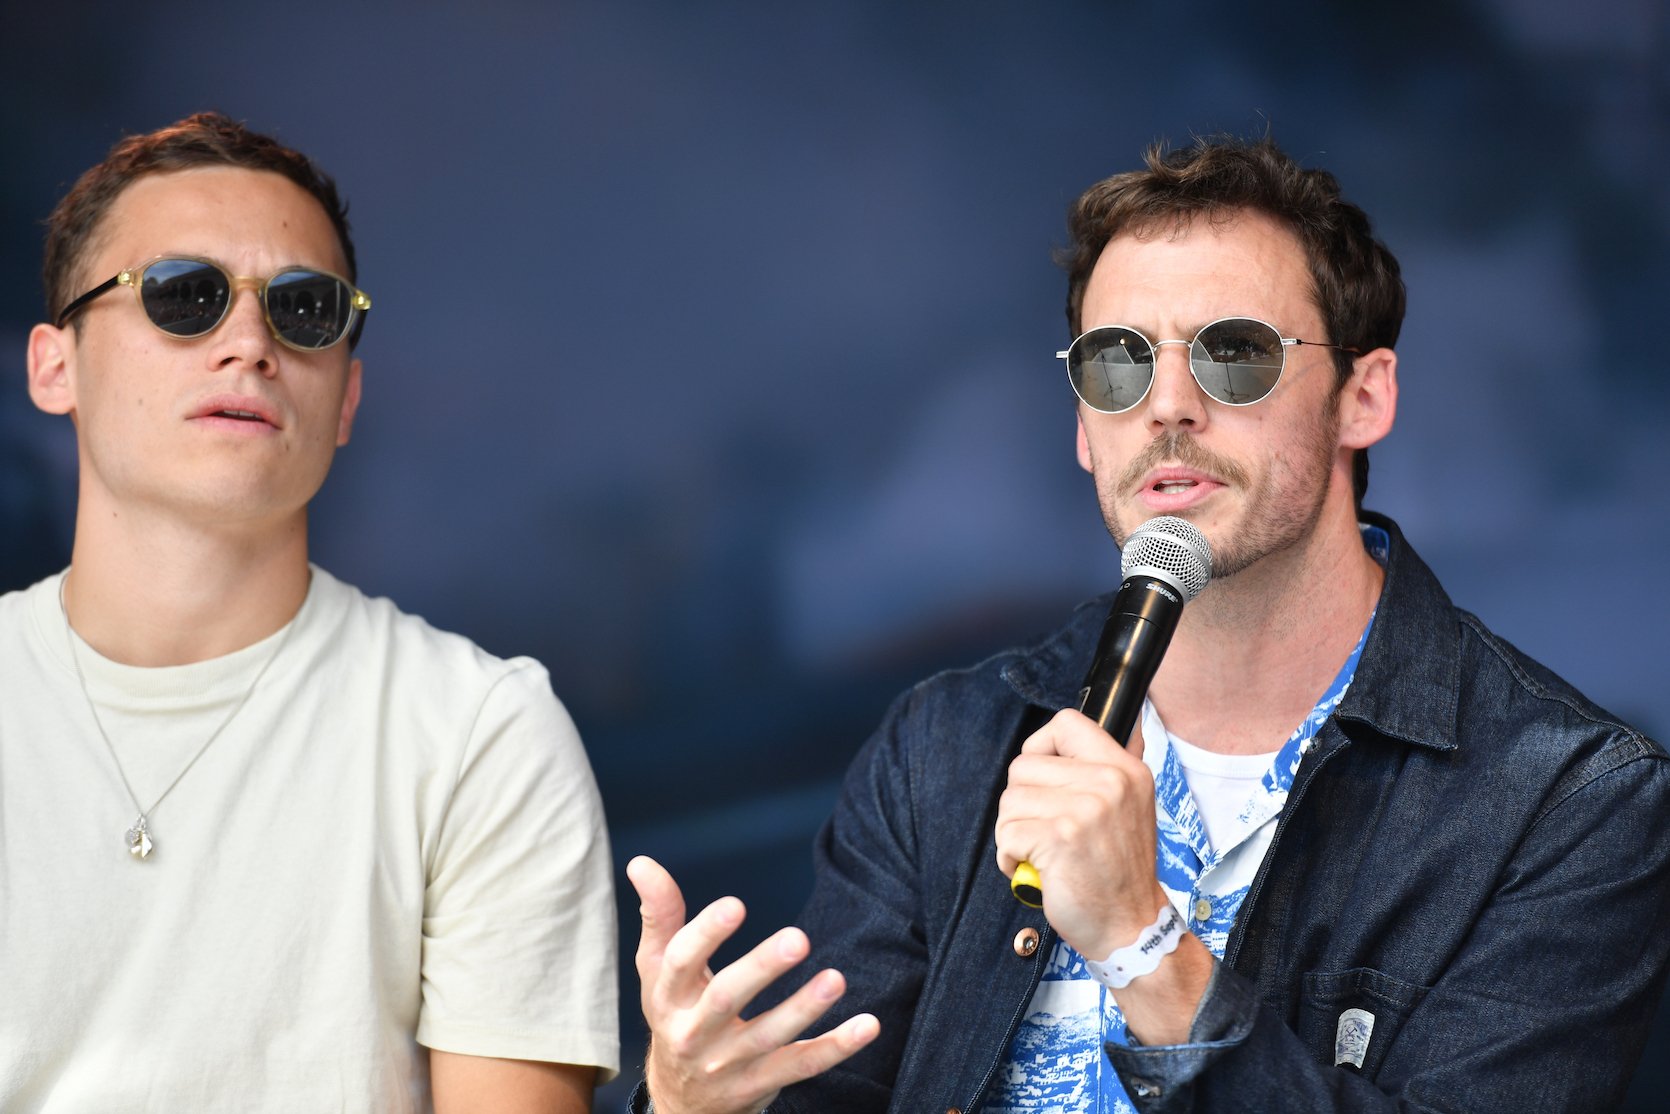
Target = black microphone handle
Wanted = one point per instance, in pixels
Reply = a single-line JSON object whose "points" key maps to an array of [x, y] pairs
{"points": [[1139, 628], [1134, 639]]}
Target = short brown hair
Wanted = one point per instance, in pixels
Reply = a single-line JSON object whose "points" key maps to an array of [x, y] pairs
{"points": [[1356, 283], [206, 139]]}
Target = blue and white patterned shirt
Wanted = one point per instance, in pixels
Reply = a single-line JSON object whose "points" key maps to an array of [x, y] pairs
{"points": [[1055, 1062]]}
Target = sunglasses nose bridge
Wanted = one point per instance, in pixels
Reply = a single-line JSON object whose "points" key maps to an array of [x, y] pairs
{"points": [[1176, 395], [1181, 360], [235, 283], [257, 305]]}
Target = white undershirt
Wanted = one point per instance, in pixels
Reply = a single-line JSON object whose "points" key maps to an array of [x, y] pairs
{"points": [[1220, 785]]}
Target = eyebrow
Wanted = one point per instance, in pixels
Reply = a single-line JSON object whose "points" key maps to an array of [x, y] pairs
{"points": [[1194, 329], [1149, 331]]}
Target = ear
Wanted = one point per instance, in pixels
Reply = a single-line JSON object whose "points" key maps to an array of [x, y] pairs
{"points": [[350, 404], [1083, 444], [1368, 401], [51, 360]]}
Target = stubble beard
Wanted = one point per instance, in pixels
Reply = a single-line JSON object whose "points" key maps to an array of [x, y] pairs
{"points": [[1278, 513]]}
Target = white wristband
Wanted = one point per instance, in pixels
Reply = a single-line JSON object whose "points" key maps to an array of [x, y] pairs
{"points": [[1153, 943]]}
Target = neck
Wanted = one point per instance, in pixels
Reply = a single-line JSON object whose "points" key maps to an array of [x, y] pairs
{"points": [[152, 591], [1254, 652]]}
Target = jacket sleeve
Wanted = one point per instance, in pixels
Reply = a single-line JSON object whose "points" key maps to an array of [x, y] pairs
{"points": [[1545, 1006], [865, 919]]}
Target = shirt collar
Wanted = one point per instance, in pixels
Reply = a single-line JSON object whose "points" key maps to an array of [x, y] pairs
{"points": [[1407, 684]]}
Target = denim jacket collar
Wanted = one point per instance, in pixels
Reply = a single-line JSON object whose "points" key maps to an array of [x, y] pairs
{"points": [[1412, 656]]}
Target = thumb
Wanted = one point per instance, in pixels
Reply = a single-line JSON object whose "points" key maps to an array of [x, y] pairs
{"points": [[661, 905], [1135, 744]]}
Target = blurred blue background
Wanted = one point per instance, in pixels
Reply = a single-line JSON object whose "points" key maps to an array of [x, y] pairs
{"points": [[710, 361]]}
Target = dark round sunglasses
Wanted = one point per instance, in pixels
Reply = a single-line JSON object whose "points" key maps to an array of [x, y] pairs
{"points": [[1236, 360], [306, 309]]}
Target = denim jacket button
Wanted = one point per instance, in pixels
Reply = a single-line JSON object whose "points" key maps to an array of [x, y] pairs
{"points": [[1026, 942], [1145, 1088], [952, 1110]]}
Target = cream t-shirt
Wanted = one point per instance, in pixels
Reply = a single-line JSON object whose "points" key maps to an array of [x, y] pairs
{"points": [[395, 843]]}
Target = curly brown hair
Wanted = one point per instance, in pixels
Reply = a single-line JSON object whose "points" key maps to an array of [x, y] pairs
{"points": [[1356, 283], [205, 139]]}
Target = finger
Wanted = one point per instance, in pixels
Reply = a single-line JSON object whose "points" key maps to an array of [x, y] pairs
{"points": [[730, 991], [1007, 861], [1072, 734], [1042, 741], [661, 906], [1135, 744], [1042, 837], [1021, 839], [804, 1059], [1022, 832], [1017, 805], [684, 972], [782, 1023], [1056, 772], [1033, 802], [1099, 802], [1095, 788], [1079, 736]]}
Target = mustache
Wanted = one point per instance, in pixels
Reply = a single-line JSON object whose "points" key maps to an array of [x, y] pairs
{"points": [[1182, 449]]}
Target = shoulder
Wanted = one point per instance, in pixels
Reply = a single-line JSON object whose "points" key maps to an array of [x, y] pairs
{"points": [[436, 672], [12, 603], [17, 604], [14, 614], [30, 620], [1438, 677], [1511, 700], [337, 613]]}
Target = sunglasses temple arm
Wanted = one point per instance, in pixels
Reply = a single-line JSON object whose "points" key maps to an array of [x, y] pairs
{"points": [[70, 310], [356, 328]]}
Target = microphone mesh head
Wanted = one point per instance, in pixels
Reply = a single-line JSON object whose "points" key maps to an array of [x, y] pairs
{"points": [[1170, 549]]}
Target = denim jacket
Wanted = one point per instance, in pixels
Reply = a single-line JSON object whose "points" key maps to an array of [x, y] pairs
{"points": [[1472, 853]]}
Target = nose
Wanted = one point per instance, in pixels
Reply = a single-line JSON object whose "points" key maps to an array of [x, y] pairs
{"points": [[1175, 401], [244, 339]]}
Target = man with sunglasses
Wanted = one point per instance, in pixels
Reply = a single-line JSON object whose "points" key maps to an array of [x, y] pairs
{"points": [[1358, 852], [266, 843]]}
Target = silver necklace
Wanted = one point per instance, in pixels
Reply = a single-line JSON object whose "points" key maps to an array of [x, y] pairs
{"points": [[139, 841]]}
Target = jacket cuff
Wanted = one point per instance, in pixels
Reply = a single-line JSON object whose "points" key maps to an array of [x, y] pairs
{"points": [[1159, 1078], [638, 1102]]}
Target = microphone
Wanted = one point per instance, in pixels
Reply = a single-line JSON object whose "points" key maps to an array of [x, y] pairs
{"points": [[1165, 563]]}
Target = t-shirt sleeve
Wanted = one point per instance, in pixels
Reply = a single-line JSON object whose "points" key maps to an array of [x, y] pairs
{"points": [[519, 913]]}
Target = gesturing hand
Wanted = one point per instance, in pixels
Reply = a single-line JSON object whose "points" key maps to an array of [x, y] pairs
{"points": [[703, 1057]]}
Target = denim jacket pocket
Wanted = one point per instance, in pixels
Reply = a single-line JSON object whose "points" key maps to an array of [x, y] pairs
{"points": [[1350, 1018]]}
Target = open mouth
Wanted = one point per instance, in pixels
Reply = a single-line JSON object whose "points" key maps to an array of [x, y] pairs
{"points": [[240, 415], [1174, 487]]}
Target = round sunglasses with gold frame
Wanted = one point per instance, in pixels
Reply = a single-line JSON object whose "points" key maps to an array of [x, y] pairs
{"points": [[185, 296]]}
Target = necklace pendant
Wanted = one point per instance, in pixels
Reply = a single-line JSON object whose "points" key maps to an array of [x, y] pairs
{"points": [[139, 840]]}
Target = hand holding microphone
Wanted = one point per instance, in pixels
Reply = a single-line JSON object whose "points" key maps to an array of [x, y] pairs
{"points": [[1165, 563]]}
